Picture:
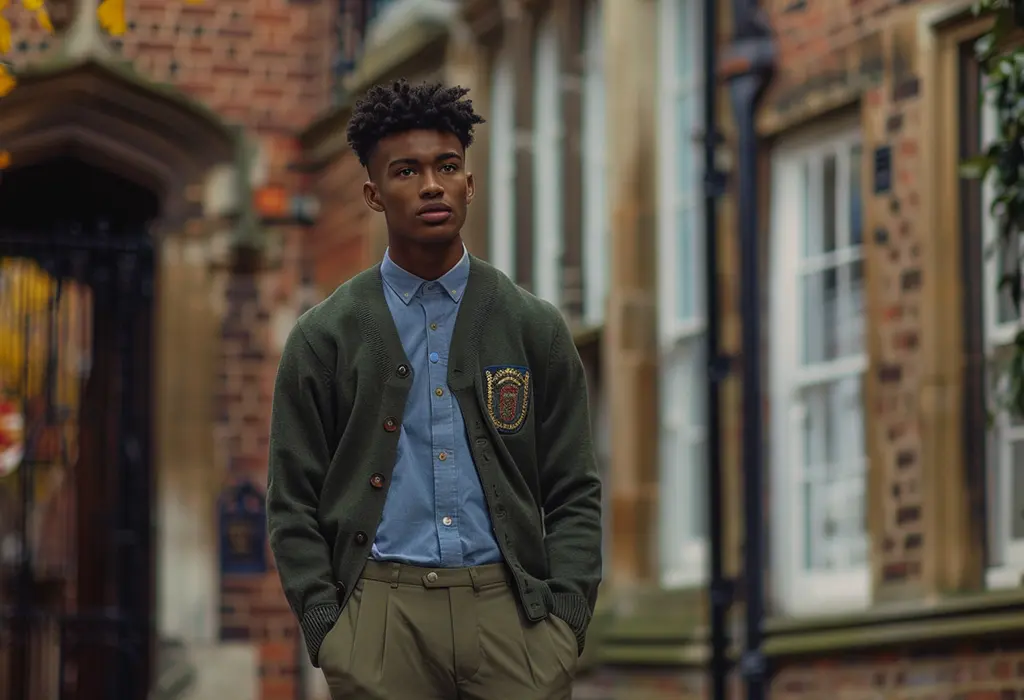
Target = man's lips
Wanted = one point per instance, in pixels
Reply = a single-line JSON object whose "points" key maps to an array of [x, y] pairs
{"points": [[435, 213]]}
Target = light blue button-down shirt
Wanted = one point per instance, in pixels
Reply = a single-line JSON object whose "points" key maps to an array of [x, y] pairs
{"points": [[435, 513]]}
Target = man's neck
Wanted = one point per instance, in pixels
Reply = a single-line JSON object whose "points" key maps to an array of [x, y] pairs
{"points": [[427, 261]]}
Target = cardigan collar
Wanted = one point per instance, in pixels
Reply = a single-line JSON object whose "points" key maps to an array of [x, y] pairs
{"points": [[477, 302]]}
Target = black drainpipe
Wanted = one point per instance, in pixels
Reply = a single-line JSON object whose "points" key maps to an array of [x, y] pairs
{"points": [[720, 590], [748, 68]]}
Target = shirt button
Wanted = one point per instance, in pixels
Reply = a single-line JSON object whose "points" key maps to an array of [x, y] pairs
{"points": [[377, 481], [433, 326], [390, 424], [403, 370], [434, 357], [439, 391], [443, 456], [447, 521]]}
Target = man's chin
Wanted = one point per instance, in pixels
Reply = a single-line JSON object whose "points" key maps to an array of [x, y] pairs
{"points": [[434, 235]]}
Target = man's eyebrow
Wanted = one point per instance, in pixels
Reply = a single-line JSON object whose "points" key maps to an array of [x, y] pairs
{"points": [[447, 155]]}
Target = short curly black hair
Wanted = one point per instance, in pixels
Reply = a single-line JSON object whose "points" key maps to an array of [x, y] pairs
{"points": [[395, 107]]}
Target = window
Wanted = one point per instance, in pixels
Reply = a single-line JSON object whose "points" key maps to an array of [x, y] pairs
{"points": [[596, 215], [1005, 446], [683, 512], [820, 544], [547, 163], [501, 243]]}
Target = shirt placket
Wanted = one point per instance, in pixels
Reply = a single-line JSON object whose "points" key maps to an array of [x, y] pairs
{"points": [[442, 433]]}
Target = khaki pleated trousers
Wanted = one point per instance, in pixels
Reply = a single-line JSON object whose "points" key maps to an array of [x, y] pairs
{"points": [[411, 633]]}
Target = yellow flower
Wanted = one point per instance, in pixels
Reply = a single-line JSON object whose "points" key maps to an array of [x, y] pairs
{"points": [[38, 7], [43, 18], [111, 16], [5, 35], [5, 30], [7, 81]]}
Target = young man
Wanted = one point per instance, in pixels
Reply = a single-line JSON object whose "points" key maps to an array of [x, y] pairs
{"points": [[434, 503]]}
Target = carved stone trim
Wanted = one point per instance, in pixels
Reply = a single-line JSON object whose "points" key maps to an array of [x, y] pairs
{"points": [[102, 116]]}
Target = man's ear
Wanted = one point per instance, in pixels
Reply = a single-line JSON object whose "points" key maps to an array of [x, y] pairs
{"points": [[372, 196], [470, 188]]}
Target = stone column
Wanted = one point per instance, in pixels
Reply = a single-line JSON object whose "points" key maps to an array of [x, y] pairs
{"points": [[630, 367]]}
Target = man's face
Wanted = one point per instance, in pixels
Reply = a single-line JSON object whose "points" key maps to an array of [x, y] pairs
{"points": [[419, 180]]}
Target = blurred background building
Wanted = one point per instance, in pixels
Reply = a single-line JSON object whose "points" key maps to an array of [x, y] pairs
{"points": [[190, 183]]}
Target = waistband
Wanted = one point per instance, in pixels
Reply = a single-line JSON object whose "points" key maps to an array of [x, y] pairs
{"points": [[398, 574]]}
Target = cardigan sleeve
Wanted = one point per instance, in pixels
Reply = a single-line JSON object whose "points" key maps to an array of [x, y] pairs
{"points": [[570, 486], [299, 457]]}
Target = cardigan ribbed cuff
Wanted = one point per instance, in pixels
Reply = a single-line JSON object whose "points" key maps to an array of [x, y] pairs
{"points": [[575, 612], [316, 623]]}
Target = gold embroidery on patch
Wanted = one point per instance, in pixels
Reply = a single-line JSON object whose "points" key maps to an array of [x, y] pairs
{"points": [[508, 397]]}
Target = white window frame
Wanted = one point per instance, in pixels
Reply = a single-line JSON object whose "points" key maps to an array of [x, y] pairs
{"points": [[501, 186], [683, 550], [548, 174], [797, 591], [596, 212], [1007, 567]]}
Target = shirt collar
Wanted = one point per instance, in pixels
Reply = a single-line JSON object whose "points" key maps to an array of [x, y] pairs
{"points": [[406, 285]]}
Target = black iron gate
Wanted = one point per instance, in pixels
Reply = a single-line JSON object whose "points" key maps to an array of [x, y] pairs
{"points": [[76, 550]]}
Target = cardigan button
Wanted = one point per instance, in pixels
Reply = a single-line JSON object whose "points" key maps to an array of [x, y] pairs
{"points": [[377, 481], [403, 371], [360, 538], [390, 424]]}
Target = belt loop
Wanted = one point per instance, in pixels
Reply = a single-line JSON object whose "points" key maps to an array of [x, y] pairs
{"points": [[473, 577], [396, 571]]}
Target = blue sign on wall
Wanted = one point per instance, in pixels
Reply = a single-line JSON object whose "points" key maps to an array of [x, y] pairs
{"points": [[243, 530]]}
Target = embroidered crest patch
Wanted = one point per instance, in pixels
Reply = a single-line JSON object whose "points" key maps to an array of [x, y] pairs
{"points": [[508, 396]]}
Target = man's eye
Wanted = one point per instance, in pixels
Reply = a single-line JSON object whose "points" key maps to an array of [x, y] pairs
{"points": [[449, 168], [404, 172]]}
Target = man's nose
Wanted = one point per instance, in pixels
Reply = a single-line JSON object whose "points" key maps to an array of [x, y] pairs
{"points": [[431, 187]]}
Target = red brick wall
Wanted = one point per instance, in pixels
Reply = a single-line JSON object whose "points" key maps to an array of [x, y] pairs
{"points": [[264, 64], [339, 245]]}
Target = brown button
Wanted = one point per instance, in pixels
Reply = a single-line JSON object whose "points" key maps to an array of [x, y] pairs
{"points": [[360, 538], [403, 370], [443, 456], [377, 481], [390, 424], [433, 326], [439, 391]]}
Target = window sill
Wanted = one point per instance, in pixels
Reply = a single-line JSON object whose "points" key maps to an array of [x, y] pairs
{"points": [[650, 626], [668, 627], [966, 616]]}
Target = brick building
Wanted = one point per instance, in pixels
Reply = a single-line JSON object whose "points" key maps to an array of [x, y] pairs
{"points": [[892, 517], [894, 562]]}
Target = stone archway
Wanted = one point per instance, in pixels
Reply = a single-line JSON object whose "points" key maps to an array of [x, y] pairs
{"points": [[91, 122], [101, 112]]}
